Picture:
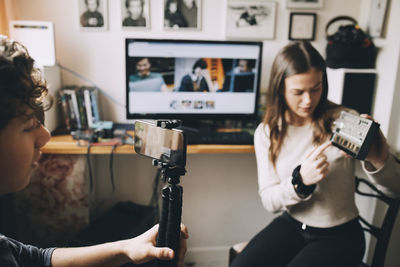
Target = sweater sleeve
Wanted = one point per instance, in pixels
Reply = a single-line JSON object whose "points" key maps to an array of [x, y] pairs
{"points": [[387, 177], [276, 193], [26, 255]]}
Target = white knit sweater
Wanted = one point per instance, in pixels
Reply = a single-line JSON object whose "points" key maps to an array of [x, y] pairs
{"points": [[333, 201]]}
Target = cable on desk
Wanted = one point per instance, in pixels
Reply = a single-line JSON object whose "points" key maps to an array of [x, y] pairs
{"points": [[89, 167], [112, 168]]}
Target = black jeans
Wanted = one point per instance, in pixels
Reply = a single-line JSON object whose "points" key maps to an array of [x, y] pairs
{"points": [[285, 243]]}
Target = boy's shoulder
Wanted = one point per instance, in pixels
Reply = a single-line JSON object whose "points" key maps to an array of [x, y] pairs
{"points": [[7, 257]]}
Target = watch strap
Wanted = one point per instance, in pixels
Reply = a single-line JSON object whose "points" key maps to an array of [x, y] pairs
{"points": [[301, 189]]}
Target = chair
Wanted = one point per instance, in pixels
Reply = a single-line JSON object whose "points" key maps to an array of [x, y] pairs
{"points": [[381, 233]]}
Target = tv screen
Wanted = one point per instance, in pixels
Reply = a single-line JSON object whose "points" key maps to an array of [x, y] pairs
{"points": [[188, 79]]}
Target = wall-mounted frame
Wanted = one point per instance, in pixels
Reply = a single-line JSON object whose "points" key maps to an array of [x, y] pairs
{"points": [[304, 4], [135, 14], [182, 14], [93, 15], [377, 16], [302, 26], [250, 19]]}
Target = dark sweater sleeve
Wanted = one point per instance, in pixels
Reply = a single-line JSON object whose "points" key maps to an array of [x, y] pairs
{"points": [[186, 84], [14, 253]]}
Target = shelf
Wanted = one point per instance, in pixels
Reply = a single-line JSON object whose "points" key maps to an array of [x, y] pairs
{"points": [[65, 144]]}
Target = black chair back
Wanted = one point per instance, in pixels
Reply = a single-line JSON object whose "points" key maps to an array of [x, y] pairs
{"points": [[382, 233]]}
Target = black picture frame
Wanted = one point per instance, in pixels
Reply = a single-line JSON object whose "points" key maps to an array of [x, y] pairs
{"points": [[304, 4], [302, 26]]}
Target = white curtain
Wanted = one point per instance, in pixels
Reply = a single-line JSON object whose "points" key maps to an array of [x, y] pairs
{"points": [[7, 13]]}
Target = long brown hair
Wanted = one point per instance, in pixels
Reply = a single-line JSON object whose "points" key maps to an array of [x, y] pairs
{"points": [[295, 58]]}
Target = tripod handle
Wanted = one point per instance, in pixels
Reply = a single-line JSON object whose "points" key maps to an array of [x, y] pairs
{"points": [[162, 229], [170, 222], [174, 218]]}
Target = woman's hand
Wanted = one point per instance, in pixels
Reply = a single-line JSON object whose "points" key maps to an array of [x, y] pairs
{"points": [[315, 166], [143, 248], [379, 150]]}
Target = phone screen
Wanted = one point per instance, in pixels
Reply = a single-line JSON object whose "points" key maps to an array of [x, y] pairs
{"points": [[166, 145]]}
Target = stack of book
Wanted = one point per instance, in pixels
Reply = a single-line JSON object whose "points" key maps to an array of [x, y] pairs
{"points": [[79, 106]]}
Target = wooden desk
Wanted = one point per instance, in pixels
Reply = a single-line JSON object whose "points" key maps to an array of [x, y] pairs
{"points": [[65, 144]]}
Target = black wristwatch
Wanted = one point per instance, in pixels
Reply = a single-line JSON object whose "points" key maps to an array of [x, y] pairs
{"points": [[301, 189]]}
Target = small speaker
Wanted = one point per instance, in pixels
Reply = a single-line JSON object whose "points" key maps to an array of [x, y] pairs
{"points": [[358, 91], [354, 134], [353, 88]]}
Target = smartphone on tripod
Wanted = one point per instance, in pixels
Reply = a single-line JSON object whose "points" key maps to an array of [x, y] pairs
{"points": [[163, 144]]}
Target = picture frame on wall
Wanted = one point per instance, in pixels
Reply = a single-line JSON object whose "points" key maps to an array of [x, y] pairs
{"points": [[182, 14], [93, 14], [135, 14], [302, 26], [377, 16], [250, 19], [304, 4]]}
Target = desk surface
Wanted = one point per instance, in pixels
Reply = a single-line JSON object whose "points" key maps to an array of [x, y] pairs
{"points": [[65, 144]]}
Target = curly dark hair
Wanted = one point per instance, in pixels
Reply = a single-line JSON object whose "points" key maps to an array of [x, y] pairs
{"points": [[22, 87]]}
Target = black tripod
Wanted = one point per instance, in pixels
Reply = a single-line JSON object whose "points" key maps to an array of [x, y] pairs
{"points": [[171, 212], [171, 209]]}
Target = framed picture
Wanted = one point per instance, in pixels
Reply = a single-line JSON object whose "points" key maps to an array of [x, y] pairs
{"points": [[377, 16], [302, 26], [135, 14], [182, 14], [250, 19], [304, 4], [93, 14]]}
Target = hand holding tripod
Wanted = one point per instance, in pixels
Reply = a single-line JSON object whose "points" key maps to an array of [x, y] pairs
{"points": [[171, 212], [167, 147]]}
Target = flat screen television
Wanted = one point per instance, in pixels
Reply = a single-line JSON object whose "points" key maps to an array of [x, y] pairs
{"points": [[192, 79]]}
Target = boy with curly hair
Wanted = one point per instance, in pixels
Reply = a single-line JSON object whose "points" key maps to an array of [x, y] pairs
{"points": [[22, 134]]}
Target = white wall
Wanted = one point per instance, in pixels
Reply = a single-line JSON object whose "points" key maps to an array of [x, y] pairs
{"points": [[221, 206], [99, 56]]}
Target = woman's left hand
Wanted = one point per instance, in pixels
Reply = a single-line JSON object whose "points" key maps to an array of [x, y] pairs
{"points": [[379, 150]]}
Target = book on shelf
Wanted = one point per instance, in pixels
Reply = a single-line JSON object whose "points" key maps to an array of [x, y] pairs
{"points": [[73, 103], [88, 104], [95, 106], [65, 110], [70, 114], [79, 106], [82, 108]]}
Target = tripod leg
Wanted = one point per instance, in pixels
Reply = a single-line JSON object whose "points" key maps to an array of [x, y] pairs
{"points": [[172, 232], [162, 230], [174, 218]]}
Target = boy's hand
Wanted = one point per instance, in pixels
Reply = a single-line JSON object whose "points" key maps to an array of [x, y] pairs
{"points": [[143, 248]]}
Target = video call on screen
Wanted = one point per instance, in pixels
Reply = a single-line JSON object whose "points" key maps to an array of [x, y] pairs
{"points": [[198, 77]]}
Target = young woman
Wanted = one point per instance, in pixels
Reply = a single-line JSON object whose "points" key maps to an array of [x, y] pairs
{"points": [[303, 176]]}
